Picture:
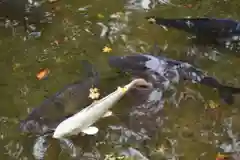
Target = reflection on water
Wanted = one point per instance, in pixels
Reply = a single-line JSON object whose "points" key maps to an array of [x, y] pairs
{"points": [[140, 129]]}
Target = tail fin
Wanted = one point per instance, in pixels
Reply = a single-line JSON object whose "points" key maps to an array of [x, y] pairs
{"points": [[89, 70], [225, 92]]}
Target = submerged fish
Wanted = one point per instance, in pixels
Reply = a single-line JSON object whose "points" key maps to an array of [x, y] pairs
{"points": [[83, 120], [207, 30], [45, 118], [161, 71]]}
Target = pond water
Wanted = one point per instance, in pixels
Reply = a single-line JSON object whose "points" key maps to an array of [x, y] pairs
{"points": [[197, 128]]}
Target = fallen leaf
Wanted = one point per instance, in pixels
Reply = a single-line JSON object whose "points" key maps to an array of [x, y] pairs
{"points": [[221, 156], [94, 93], [107, 49], [211, 104], [43, 73]]}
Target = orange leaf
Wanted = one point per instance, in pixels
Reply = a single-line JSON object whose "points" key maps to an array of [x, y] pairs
{"points": [[43, 73]]}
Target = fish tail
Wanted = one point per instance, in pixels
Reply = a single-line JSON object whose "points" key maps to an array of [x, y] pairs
{"points": [[89, 69], [225, 92]]}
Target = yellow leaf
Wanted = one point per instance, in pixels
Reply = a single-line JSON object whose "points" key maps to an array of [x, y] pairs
{"points": [[211, 104], [107, 49], [221, 156]]}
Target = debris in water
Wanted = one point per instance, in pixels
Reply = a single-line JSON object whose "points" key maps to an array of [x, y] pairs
{"points": [[94, 93], [221, 156], [107, 49], [104, 29], [43, 73], [152, 20], [188, 6], [16, 66], [52, 1], [211, 104], [84, 8], [161, 149], [88, 31], [112, 156], [99, 15], [56, 42], [34, 34]]}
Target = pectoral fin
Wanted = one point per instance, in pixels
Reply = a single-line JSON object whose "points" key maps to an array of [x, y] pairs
{"points": [[90, 130], [107, 114]]}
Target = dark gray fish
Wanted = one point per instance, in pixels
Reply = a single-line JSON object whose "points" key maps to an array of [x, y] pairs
{"points": [[61, 105], [44, 118], [223, 32], [157, 68]]}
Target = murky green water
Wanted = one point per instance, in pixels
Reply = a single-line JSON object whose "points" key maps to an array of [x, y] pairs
{"points": [[198, 131]]}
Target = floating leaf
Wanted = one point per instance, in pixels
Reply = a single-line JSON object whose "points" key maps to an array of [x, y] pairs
{"points": [[211, 104], [43, 73], [221, 156], [94, 93], [107, 49]]}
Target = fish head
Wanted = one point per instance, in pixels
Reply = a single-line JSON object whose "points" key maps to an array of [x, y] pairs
{"points": [[62, 130], [138, 65], [134, 63], [57, 134]]}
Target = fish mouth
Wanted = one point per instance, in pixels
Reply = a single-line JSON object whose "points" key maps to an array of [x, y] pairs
{"points": [[142, 85], [55, 136]]}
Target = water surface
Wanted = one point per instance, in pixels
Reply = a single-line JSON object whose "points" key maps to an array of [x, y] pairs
{"points": [[194, 129]]}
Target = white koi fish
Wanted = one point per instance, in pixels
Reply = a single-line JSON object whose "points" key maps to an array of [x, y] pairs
{"points": [[83, 120]]}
